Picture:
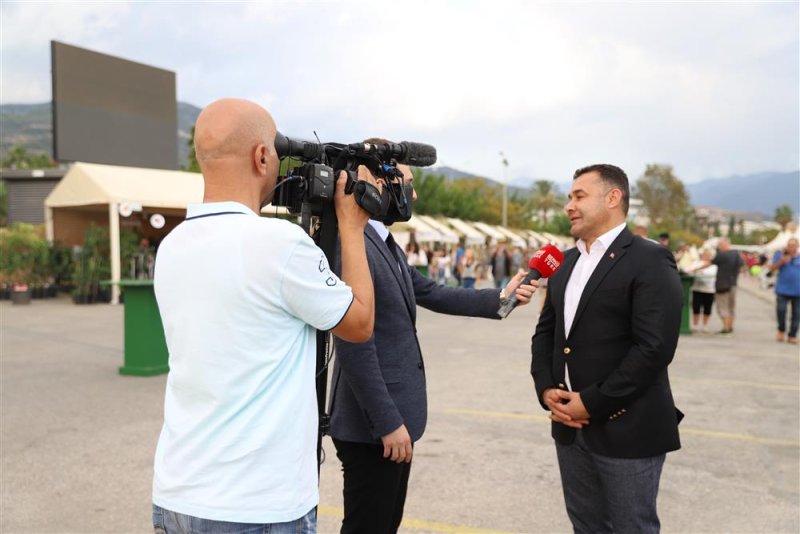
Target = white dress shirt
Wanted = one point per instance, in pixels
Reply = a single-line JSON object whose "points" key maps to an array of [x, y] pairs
{"points": [[584, 267]]}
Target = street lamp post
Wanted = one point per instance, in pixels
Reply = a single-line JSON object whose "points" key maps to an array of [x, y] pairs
{"points": [[505, 189]]}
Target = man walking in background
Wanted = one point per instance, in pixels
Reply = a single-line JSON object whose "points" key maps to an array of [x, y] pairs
{"points": [[606, 334], [729, 263], [787, 289]]}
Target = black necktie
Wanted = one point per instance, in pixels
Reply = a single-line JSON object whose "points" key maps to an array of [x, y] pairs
{"points": [[390, 242]]}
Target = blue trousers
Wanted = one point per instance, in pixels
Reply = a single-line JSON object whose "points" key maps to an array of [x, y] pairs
{"points": [[168, 522], [783, 302], [605, 495]]}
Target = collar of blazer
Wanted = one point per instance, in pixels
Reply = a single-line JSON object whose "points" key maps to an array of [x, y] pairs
{"points": [[611, 258], [400, 275]]}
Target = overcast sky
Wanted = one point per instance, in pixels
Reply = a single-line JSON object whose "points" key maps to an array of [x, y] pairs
{"points": [[710, 88]]}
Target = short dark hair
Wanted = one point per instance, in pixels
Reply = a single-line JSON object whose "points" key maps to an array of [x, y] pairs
{"points": [[611, 175]]}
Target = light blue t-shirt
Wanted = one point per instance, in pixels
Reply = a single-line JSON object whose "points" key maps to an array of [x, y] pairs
{"points": [[240, 297], [788, 281]]}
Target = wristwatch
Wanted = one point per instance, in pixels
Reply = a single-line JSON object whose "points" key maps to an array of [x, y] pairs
{"points": [[503, 297]]}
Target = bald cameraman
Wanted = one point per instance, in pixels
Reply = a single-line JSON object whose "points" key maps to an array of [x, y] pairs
{"points": [[240, 297], [378, 402]]}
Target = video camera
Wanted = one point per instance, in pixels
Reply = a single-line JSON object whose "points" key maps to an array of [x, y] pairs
{"points": [[312, 184]]}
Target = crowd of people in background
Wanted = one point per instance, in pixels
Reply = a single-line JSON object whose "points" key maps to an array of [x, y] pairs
{"points": [[714, 269], [460, 266]]}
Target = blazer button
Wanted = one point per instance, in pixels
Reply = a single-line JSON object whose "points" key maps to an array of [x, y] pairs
{"points": [[567, 350], [419, 365]]}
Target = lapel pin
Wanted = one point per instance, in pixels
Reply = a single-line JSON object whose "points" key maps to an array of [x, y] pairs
{"points": [[611, 255]]}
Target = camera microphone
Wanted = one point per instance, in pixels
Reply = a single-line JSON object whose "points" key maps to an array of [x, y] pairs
{"points": [[546, 261]]}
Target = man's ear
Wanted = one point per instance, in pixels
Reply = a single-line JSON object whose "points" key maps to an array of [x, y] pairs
{"points": [[615, 197], [260, 158]]}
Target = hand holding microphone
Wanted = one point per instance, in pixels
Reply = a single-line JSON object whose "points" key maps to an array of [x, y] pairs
{"points": [[546, 261]]}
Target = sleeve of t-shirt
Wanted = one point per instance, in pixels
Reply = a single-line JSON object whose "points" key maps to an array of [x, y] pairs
{"points": [[311, 290]]}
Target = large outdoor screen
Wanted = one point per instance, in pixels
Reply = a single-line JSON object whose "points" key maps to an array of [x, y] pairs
{"points": [[110, 110]]}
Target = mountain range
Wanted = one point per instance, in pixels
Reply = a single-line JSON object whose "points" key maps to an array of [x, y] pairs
{"points": [[30, 125]]}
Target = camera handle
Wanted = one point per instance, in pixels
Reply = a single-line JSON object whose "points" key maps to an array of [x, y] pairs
{"points": [[367, 195]]}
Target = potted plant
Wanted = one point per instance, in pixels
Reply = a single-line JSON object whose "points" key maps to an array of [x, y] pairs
{"points": [[92, 265], [23, 260]]}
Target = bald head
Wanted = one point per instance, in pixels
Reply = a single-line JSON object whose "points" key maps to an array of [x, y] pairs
{"points": [[234, 141], [232, 128]]}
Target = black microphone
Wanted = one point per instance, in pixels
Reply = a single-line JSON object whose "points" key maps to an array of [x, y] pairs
{"points": [[407, 152], [546, 261]]}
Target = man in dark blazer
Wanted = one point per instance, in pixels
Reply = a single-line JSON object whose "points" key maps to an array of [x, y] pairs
{"points": [[606, 334], [378, 403]]}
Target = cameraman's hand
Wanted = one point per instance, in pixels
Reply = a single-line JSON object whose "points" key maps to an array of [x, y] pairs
{"points": [[358, 322], [350, 215]]}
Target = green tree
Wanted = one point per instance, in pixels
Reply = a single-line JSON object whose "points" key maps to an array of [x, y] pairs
{"points": [[664, 197], [193, 166], [783, 215], [18, 157], [545, 197], [3, 203]]}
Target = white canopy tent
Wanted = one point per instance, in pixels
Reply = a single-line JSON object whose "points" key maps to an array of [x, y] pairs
{"points": [[423, 232], [472, 236], [514, 238], [448, 235], [489, 230], [91, 192], [780, 241], [539, 239]]}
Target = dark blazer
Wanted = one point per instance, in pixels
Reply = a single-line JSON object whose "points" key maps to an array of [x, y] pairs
{"points": [[622, 339], [380, 384]]}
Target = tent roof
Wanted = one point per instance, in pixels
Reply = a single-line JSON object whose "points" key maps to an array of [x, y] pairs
{"points": [[91, 183], [471, 235], [87, 184], [448, 235], [423, 232], [516, 239], [489, 230]]}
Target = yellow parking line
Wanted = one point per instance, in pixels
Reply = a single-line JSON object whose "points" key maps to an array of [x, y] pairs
{"points": [[428, 526], [740, 437], [785, 387], [693, 431]]}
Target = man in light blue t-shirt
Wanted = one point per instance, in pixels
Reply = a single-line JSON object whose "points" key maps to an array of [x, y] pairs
{"points": [[787, 289], [240, 297]]}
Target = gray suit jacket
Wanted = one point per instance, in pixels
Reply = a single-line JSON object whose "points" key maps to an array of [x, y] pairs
{"points": [[380, 384]]}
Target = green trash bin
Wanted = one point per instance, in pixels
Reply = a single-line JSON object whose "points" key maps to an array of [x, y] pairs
{"points": [[145, 347], [686, 281]]}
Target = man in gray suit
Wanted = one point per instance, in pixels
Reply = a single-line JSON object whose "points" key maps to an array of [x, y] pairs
{"points": [[378, 403]]}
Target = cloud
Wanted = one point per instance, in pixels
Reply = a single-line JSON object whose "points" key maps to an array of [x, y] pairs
{"points": [[710, 88]]}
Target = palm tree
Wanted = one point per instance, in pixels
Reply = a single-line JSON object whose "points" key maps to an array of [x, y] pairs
{"points": [[545, 197], [783, 215]]}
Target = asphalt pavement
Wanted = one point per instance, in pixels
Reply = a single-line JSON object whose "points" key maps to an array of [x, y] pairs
{"points": [[77, 438]]}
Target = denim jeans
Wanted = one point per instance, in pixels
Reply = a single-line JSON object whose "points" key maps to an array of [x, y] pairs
{"points": [[783, 301], [168, 522], [605, 495]]}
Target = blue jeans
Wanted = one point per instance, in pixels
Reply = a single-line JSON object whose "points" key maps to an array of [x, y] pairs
{"points": [[168, 522], [468, 283], [606, 494], [783, 301]]}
